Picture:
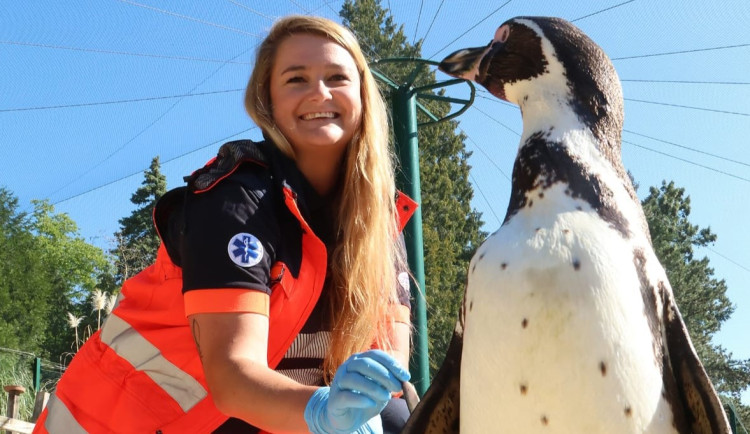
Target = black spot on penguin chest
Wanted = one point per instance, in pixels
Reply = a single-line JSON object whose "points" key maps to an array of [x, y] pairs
{"points": [[541, 164]]}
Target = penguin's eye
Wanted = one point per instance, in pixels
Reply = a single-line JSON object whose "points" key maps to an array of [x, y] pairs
{"points": [[502, 33]]}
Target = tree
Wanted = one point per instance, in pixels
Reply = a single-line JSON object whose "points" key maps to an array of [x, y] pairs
{"points": [[137, 240], [73, 267], [24, 291], [701, 298], [451, 228], [46, 270]]}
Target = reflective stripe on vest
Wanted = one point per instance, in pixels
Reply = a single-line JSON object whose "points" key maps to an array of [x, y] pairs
{"points": [[144, 356], [59, 419]]}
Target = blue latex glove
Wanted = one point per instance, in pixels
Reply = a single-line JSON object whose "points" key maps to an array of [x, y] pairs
{"points": [[373, 426], [360, 390]]}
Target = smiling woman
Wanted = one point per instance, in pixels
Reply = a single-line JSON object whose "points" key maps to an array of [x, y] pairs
{"points": [[275, 302], [315, 87]]}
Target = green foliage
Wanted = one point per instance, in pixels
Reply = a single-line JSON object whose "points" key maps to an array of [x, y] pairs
{"points": [[701, 298], [137, 240], [24, 289], [46, 269], [451, 228]]}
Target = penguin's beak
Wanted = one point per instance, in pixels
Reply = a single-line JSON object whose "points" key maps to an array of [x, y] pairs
{"points": [[465, 63]]}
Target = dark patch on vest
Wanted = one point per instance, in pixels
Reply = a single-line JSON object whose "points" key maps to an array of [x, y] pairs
{"points": [[603, 368], [229, 156], [525, 323], [541, 163], [545, 420], [503, 266], [576, 264], [524, 389], [628, 412]]}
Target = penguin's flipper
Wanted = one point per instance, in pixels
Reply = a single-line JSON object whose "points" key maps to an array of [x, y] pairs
{"points": [[438, 411], [703, 411]]}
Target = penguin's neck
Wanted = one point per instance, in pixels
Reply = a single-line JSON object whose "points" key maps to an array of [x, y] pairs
{"points": [[548, 113], [557, 147], [552, 117]]}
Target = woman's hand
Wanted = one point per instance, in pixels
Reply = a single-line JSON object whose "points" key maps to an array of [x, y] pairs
{"points": [[360, 390]]}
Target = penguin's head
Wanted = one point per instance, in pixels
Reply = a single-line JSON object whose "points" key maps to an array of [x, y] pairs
{"points": [[549, 60]]}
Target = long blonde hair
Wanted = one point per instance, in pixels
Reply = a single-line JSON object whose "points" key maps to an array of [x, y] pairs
{"points": [[362, 264]]}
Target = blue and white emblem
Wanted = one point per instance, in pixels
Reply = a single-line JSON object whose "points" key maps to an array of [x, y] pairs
{"points": [[245, 249]]}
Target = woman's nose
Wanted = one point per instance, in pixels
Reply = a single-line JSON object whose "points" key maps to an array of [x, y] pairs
{"points": [[320, 91]]}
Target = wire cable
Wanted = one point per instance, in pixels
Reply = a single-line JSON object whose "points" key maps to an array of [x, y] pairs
{"points": [[499, 101], [328, 5], [424, 38], [728, 259], [496, 121], [688, 161], [185, 17], [470, 28], [685, 81], [688, 148], [146, 128], [419, 18], [650, 149], [300, 6], [688, 107], [140, 171], [122, 101], [603, 10], [669, 53], [489, 205], [248, 8], [476, 145], [122, 53], [483, 95]]}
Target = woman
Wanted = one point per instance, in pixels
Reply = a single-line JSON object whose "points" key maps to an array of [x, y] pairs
{"points": [[279, 268]]}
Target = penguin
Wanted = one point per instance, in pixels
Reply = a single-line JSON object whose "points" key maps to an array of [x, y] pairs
{"points": [[568, 322]]}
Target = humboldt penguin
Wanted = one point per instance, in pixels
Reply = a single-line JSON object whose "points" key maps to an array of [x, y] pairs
{"points": [[568, 323]]}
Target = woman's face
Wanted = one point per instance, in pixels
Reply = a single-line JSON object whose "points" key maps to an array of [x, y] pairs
{"points": [[315, 94]]}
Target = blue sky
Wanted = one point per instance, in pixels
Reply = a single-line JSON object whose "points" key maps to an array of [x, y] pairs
{"points": [[91, 91]]}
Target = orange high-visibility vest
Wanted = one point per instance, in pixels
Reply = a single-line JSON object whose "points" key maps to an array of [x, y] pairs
{"points": [[142, 373]]}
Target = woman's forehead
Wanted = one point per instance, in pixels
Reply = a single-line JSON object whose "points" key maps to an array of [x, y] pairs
{"points": [[302, 50]]}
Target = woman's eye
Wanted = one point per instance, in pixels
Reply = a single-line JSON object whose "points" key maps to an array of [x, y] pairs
{"points": [[339, 77], [295, 79]]}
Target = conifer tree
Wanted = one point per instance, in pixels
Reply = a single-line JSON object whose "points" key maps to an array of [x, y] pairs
{"points": [[137, 240]]}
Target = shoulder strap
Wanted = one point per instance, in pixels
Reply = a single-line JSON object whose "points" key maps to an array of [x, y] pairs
{"points": [[230, 156]]}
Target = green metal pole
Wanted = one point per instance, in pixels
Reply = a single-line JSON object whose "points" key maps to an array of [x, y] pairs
{"points": [[407, 144], [37, 375]]}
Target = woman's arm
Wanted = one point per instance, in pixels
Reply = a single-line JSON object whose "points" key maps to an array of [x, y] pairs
{"points": [[401, 343], [233, 349]]}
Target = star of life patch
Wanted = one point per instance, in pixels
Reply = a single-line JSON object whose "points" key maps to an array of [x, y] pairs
{"points": [[245, 249]]}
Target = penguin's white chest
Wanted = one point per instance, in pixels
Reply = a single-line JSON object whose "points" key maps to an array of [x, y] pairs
{"points": [[556, 339]]}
